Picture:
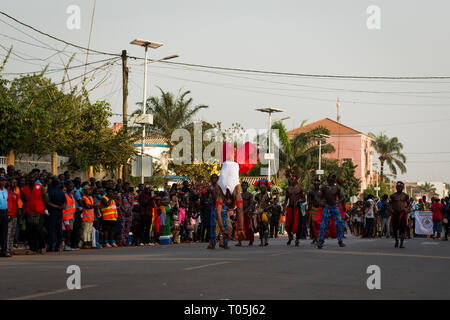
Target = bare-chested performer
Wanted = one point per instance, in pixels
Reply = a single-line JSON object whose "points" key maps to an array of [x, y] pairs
{"points": [[263, 202], [294, 195], [399, 203], [314, 206], [331, 194], [227, 195], [249, 205]]}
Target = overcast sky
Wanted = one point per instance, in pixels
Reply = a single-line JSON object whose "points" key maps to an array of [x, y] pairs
{"points": [[313, 37]]}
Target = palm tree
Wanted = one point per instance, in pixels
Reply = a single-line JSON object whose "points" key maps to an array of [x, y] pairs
{"points": [[428, 189], [389, 151], [299, 155], [170, 112]]}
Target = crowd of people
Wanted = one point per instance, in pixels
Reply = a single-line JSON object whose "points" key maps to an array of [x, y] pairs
{"points": [[49, 213]]}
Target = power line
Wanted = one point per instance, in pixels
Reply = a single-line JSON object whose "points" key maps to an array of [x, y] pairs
{"points": [[238, 87], [60, 69], [55, 38], [305, 75]]}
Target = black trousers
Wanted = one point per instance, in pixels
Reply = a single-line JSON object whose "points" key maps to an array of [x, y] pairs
{"points": [[146, 221], [3, 230], [274, 226], [36, 231]]}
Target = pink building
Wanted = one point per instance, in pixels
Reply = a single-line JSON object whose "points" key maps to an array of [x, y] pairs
{"points": [[348, 144]]}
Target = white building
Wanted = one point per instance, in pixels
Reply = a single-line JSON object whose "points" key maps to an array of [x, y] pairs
{"points": [[156, 147]]}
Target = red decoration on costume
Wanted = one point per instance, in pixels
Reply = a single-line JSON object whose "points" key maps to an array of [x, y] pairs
{"points": [[239, 204], [292, 220], [219, 203], [331, 231], [203, 191]]}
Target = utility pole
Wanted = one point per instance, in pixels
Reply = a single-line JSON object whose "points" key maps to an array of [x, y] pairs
{"points": [[125, 106]]}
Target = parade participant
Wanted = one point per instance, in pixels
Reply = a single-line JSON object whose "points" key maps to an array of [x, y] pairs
{"points": [[248, 208], [87, 217], [314, 206], [228, 192], [331, 194], [294, 194], [263, 203], [399, 202]]}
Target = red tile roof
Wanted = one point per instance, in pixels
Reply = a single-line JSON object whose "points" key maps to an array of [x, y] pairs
{"points": [[334, 127]]}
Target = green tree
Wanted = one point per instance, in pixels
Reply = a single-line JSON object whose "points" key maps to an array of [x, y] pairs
{"points": [[428, 189], [389, 152], [300, 154], [346, 172], [384, 189], [170, 112]]}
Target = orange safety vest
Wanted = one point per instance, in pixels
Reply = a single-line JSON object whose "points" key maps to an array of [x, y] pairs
{"points": [[109, 213], [69, 211], [88, 214]]}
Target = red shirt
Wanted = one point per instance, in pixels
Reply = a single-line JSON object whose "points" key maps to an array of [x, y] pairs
{"points": [[146, 204], [436, 208], [13, 198], [34, 202]]}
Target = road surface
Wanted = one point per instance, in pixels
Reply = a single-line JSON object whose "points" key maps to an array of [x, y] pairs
{"points": [[189, 271]]}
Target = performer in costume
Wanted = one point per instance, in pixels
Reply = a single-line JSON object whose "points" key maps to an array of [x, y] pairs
{"points": [[331, 194], [228, 191], [294, 195], [248, 203], [399, 203], [264, 201], [314, 206]]}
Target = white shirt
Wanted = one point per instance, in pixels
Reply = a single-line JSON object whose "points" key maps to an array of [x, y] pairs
{"points": [[369, 212]]}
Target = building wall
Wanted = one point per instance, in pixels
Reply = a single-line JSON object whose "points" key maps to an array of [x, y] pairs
{"points": [[358, 148]]}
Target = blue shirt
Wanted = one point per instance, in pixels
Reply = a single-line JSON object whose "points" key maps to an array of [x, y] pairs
{"points": [[78, 197], [4, 199]]}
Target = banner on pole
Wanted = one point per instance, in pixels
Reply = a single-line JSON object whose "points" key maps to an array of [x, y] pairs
{"points": [[424, 222]]}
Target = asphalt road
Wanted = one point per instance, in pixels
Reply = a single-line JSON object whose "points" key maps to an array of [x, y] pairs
{"points": [[189, 271]]}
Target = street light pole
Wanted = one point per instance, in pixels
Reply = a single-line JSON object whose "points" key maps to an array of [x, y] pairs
{"points": [[270, 156], [320, 172], [320, 156], [146, 44], [143, 113], [270, 140]]}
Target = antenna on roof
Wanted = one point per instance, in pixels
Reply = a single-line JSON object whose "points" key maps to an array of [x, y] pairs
{"points": [[338, 117]]}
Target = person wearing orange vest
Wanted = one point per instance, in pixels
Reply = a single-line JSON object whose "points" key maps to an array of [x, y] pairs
{"points": [[69, 216], [35, 199], [109, 215], [87, 217]]}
